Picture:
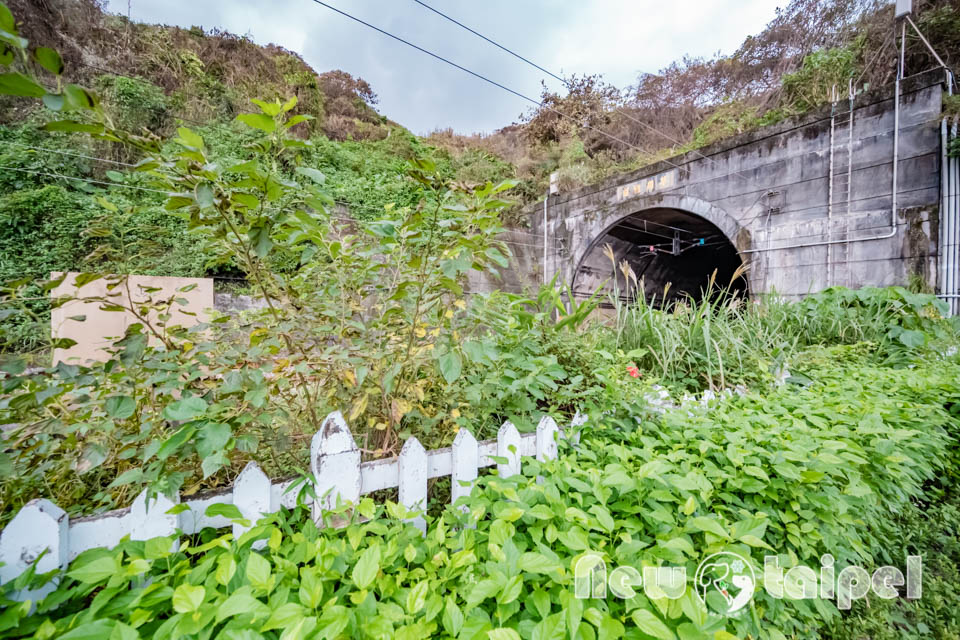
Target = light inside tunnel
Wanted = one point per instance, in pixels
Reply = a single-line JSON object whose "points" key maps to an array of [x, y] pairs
{"points": [[663, 247]]}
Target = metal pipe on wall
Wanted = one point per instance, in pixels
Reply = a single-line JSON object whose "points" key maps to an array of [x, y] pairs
{"points": [[944, 205], [953, 241], [896, 153], [833, 120], [949, 249], [544, 267]]}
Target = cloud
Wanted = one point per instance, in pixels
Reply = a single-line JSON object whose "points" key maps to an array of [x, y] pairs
{"points": [[618, 38]]}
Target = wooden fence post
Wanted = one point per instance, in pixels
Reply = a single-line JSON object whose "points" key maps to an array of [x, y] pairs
{"points": [[547, 447], [335, 463], [508, 446], [149, 519], [579, 419], [39, 526], [251, 495], [412, 465], [547, 431], [464, 464]]}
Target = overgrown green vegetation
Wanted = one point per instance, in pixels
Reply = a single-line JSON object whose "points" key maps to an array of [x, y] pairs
{"points": [[842, 440], [171, 76], [832, 466], [721, 341]]}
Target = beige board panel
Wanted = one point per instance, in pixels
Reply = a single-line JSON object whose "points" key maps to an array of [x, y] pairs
{"points": [[99, 328]]}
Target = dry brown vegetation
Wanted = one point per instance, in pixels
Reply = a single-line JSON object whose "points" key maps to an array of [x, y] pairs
{"points": [[789, 68], [208, 75]]}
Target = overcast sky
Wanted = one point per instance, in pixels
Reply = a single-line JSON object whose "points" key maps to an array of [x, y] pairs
{"points": [[618, 38]]}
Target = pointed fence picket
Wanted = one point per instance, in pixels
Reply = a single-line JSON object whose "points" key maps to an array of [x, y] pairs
{"points": [[41, 526]]}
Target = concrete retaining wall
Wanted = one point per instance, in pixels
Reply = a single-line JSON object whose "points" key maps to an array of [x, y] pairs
{"points": [[769, 188]]}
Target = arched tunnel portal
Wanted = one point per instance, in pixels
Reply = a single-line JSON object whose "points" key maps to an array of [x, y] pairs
{"points": [[672, 252]]}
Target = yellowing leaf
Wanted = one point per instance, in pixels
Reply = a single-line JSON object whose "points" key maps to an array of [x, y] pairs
{"points": [[358, 407], [399, 407]]}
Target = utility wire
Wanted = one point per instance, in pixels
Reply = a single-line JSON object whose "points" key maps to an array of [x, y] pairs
{"points": [[117, 74], [520, 95], [127, 164], [565, 82], [88, 180], [499, 46], [867, 66], [167, 193], [481, 77], [761, 192], [69, 153]]}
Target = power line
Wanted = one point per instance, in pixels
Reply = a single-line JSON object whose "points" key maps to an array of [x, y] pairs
{"points": [[88, 180], [124, 186], [69, 153], [565, 82], [762, 192], [167, 193], [799, 127], [481, 77], [499, 46], [353, 206], [117, 74]]}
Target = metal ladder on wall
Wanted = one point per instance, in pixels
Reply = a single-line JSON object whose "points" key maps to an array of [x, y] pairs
{"points": [[839, 190]]}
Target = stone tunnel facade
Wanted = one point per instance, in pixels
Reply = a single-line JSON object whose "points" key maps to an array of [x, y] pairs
{"points": [[804, 204]]}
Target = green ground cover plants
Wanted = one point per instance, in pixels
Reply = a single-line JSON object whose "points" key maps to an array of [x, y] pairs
{"points": [[827, 467]]}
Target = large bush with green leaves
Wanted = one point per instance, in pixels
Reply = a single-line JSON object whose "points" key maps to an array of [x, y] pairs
{"points": [[39, 233], [371, 318], [368, 318]]}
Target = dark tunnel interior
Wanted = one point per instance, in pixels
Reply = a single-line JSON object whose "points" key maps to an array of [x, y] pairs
{"points": [[663, 247]]}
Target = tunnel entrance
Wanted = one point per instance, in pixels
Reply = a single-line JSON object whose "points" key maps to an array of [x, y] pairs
{"points": [[663, 247]]}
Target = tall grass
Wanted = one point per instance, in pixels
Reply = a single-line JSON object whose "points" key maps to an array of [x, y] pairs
{"points": [[722, 340]]}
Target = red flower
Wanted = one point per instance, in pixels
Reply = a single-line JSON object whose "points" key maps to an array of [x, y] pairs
{"points": [[633, 371]]}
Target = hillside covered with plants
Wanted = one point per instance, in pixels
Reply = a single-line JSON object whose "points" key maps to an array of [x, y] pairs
{"points": [[155, 78]]}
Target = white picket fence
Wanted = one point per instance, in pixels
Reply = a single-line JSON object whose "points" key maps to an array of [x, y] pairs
{"points": [[334, 462]]}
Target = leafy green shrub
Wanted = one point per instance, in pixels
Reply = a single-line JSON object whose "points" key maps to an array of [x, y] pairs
{"points": [[22, 150], [525, 357], [930, 531], [893, 318], [729, 119], [370, 176], [811, 85], [135, 103], [40, 232], [477, 167]]}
